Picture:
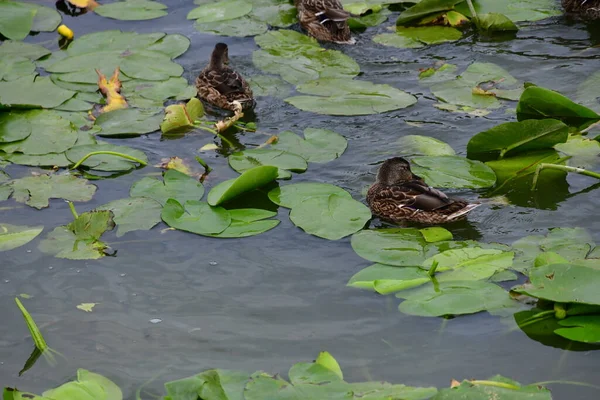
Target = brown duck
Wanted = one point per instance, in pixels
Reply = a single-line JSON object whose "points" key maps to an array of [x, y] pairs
{"points": [[399, 195], [325, 20], [585, 9], [220, 85]]}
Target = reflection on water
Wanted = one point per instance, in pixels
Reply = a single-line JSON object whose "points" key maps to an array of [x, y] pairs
{"points": [[269, 301]]}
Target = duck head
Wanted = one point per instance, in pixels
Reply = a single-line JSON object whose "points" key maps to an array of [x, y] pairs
{"points": [[395, 171], [220, 56]]}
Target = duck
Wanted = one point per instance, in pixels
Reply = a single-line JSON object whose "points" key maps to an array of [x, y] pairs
{"points": [[325, 20], [585, 9], [221, 86], [398, 196]]}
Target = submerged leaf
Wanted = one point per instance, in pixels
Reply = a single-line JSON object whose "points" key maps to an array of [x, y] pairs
{"points": [[13, 236]]}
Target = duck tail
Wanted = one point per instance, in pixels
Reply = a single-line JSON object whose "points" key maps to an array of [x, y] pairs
{"points": [[463, 211]]}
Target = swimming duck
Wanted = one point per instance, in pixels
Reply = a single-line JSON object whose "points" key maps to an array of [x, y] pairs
{"points": [[586, 9], [399, 195], [325, 20], [220, 85]]}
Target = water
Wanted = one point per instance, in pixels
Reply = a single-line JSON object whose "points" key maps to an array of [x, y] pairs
{"points": [[173, 304]]}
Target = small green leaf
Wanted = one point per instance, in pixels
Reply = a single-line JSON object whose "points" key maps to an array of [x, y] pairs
{"points": [[249, 180], [417, 145], [13, 236], [87, 307], [325, 359]]}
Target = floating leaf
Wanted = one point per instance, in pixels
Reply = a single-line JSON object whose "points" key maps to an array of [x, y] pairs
{"points": [[471, 263], [15, 68], [423, 146], [265, 85], [584, 152], [134, 213], [248, 222], [497, 388], [331, 217], [587, 91], [425, 8], [175, 185], [132, 10], [128, 122], [385, 279], [79, 240], [87, 307], [435, 234], [16, 19], [15, 49], [335, 96], [244, 160], [111, 89], [13, 236], [454, 298], [106, 162], [584, 328], [173, 88], [318, 145], [249, 180], [289, 196], [181, 117], [453, 172], [44, 160], [32, 92], [415, 37], [220, 11], [239, 27], [89, 385], [15, 126], [369, 20], [512, 138], [35, 191], [516, 10], [495, 22], [195, 216]]}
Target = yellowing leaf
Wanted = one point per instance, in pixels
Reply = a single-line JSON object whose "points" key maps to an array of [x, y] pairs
{"points": [[89, 4], [111, 89], [87, 307]]}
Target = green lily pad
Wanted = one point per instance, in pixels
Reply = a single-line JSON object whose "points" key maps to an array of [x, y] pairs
{"points": [[299, 58], [175, 185], [516, 10], [79, 240], [318, 145], [30, 51], [454, 298], [441, 72], [220, 11], [15, 68], [539, 103], [330, 217], [32, 92], [132, 10], [249, 180], [195, 216], [277, 13], [289, 196], [239, 27], [128, 122], [173, 88], [265, 85], [453, 172], [504, 389], [512, 138], [13, 236], [181, 117], [244, 160], [369, 20], [512, 169], [106, 162], [418, 145], [335, 96], [495, 22], [425, 8], [385, 279], [587, 91], [134, 213], [584, 152], [436, 234], [15, 126], [563, 283], [45, 160], [468, 264], [35, 191], [584, 328], [228, 384], [248, 222], [17, 19], [415, 37]]}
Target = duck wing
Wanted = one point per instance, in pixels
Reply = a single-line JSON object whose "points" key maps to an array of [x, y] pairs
{"points": [[421, 196], [327, 10], [225, 81]]}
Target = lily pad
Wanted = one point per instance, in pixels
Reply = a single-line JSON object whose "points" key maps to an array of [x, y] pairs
{"points": [[32, 92], [335, 96], [106, 162], [318, 145], [385, 279], [17, 19], [195, 216], [220, 11], [265, 85], [587, 91], [128, 122], [13, 236], [453, 172], [15, 68], [289, 196], [35, 191], [425, 8], [181, 117], [584, 152], [584, 328], [173, 88], [415, 37], [471, 263], [249, 180], [244, 160], [239, 27], [248, 222], [563, 283], [539, 103], [418, 145], [516, 10], [175, 185], [132, 10], [495, 22], [134, 213], [512, 138], [497, 388], [330, 217], [79, 240], [30, 51], [454, 298]]}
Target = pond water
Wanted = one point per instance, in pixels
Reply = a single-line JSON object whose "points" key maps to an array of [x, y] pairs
{"points": [[172, 304]]}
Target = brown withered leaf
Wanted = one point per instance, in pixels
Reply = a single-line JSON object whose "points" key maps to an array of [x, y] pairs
{"points": [[111, 89]]}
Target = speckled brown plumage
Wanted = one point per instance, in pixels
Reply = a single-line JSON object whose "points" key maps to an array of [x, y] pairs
{"points": [[220, 85], [398, 195], [584, 9], [325, 20]]}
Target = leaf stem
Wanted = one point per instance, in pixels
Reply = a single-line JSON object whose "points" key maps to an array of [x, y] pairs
{"points": [[495, 384], [36, 334], [473, 12], [564, 168], [434, 266], [110, 153], [73, 211]]}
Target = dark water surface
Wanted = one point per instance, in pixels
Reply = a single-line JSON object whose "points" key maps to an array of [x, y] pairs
{"points": [[269, 301]]}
